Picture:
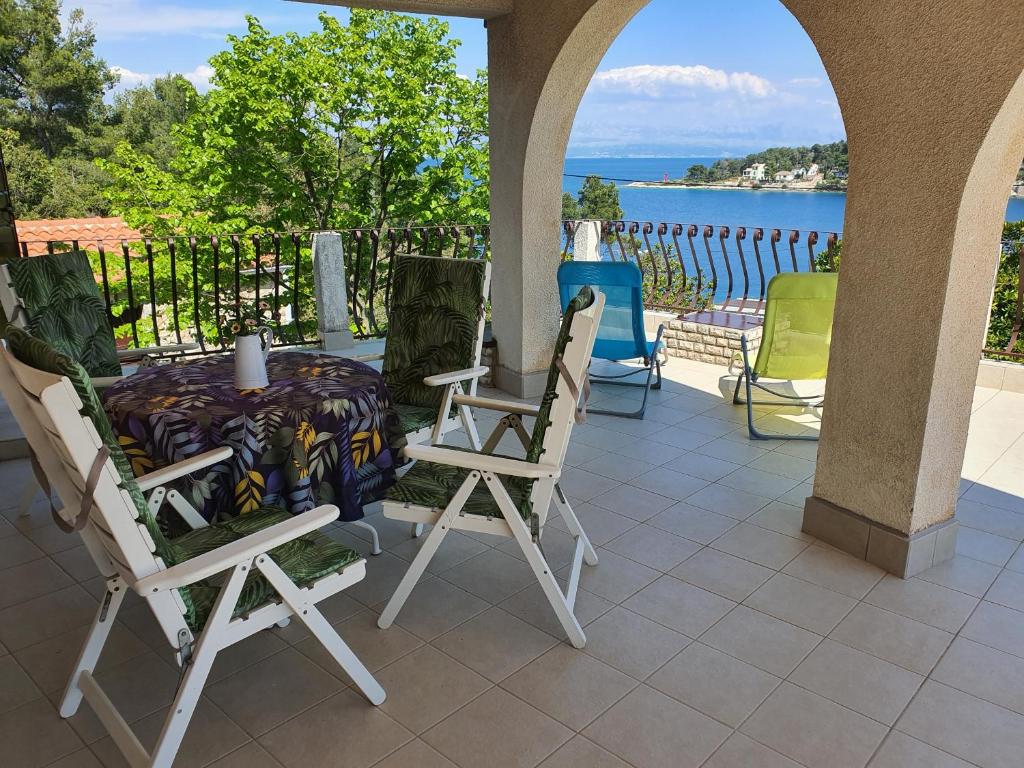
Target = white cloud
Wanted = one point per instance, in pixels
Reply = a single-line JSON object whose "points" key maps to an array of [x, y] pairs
{"points": [[199, 77], [805, 81], [119, 19], [652, 80]]}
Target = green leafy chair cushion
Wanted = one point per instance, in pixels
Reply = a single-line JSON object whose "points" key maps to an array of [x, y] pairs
{"points": [[62, 306], [412, 418], [305, 559], [436, 306], [429, 484]]}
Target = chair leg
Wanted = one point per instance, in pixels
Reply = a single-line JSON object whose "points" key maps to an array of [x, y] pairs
{"points": [[375, 539], [308, 614], [573, 524], [28, 495], [94, 642], [416, 569]]}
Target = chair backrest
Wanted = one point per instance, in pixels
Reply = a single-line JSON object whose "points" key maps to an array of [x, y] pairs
{"points": [[435, 324], [621, 335], [573, 347], [797, 330], [55, 298], [59, 412]]}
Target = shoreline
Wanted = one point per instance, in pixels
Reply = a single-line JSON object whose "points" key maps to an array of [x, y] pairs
{"points": [[763, 188]]}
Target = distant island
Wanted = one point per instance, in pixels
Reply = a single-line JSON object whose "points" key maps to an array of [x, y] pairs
{"points": [[820, 167]]}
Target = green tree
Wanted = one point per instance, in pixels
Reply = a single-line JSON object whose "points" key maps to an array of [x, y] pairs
{"points": [[146, 116], [596, 200], [570, 208]]}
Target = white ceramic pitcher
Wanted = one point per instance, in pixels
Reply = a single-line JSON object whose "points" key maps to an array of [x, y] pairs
{"points": [[251, 359]]}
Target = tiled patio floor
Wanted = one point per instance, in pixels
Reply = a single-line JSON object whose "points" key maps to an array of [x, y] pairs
{"points": [[718, 634]]}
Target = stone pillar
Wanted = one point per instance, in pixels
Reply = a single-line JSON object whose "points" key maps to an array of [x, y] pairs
{"points": [[331, 295], [586, 241]]}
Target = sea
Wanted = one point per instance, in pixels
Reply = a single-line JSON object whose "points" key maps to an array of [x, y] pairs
{"points": [[770, 209]]}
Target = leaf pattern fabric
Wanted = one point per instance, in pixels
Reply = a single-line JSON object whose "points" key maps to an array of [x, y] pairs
{"points": [[63, 307], [436, 306], [304, 560], [323, 432]]}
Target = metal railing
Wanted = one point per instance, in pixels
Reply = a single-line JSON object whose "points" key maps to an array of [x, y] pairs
{"points": [[688, 267], [179, 289]]}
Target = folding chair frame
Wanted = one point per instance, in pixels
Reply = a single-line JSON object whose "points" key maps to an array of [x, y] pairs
{"points": [[651, 366], [748, 379], [66, 444]]}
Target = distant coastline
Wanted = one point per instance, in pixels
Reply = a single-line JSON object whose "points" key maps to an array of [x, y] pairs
{"points": [[770, 187]]}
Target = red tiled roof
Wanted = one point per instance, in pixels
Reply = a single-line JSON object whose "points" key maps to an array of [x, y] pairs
{"points": [[34, 234]]}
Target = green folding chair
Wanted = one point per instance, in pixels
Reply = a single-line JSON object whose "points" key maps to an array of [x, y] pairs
{"points": [[795, 342]]}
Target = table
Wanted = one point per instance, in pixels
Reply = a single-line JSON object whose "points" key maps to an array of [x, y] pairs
{"points": [[324, 431]]}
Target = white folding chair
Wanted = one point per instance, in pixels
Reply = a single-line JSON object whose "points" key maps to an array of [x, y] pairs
{"points": [[477, 491], [208, 589]]}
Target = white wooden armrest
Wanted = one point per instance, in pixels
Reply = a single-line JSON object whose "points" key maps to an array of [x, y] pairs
{"points": [[454, 377], [499, 465], [492, 404], [166, 349], [167, 474], [368, 358], [102, 382], [220, 559]]}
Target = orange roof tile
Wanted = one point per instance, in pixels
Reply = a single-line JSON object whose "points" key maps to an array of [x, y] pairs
{"points": [[34, 234]]}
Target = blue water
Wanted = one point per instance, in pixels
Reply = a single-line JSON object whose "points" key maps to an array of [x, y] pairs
{"points": [[771, 209]]}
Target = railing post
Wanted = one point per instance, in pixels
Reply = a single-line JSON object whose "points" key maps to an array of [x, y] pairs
{"points": [[586, 241], [329, 290]]}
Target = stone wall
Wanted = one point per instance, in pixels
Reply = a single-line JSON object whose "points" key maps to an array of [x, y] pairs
{"points": [[707, 343]]}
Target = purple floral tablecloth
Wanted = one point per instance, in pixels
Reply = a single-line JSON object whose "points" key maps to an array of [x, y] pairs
{"points": [[324, 431]]}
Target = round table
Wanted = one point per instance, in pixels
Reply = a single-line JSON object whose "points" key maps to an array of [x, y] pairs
{"points": [[323, 431]]}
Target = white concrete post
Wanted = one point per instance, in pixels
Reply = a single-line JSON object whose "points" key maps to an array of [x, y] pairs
{"points": [[586, 241], [329, 289]]}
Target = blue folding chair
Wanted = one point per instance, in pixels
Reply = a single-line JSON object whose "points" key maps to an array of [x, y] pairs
{"points": [[621, 334]]}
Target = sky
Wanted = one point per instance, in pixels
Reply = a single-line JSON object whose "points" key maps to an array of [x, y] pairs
{"points": [[684, 78]]}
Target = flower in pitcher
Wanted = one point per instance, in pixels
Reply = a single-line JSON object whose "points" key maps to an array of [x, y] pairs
{"points": [[247, 319]]}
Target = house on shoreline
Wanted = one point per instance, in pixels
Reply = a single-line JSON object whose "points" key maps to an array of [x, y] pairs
{"points": [[755, 172]]}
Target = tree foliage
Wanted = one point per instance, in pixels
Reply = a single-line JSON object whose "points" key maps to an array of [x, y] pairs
{"points": [[828, 157], [595, 200]]}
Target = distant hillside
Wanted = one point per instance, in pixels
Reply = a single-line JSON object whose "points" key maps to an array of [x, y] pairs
{"points": [[828, 157]]}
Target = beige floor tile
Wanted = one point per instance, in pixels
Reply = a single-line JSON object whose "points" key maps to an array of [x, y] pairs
{"points": [[653, 547], [435, 606], [1001, 522], [965, 726], [83, 758], [342, 732], [1016, 563], [962, 574], [52, 540], [718, 685], [632, 502], [679, 437], [495, 643], [679, 606], [702, 466], [674, 485], [740, 751], [569, 685], [614, 577], [651, 730], [984, 672], [1008, 590], [16, 687], [693, 523], [416, 754], [835, 570], [905, 642], [646, 450], [983, 546], [210, 736], [492, 575], [252, 755], [76, 562], [813, 730], [621, 468], [923, 601], [16, 550], [799, 602], [579, 752], [34, 735], [728, 501], [723, 574], [767, 548], [759, 483], [857, 680], [383, 572], [731, 450], [455, 549], [761, 640], [708, 425], [44, 617], [584, 485], [998, 627], [426, 686], [902, 751], [32, 579], [532, 606], [797, 496], [600, 524], [631, 643], [271, 691], [791, 467], [782, 518], [559, 546], [479, 733]]}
